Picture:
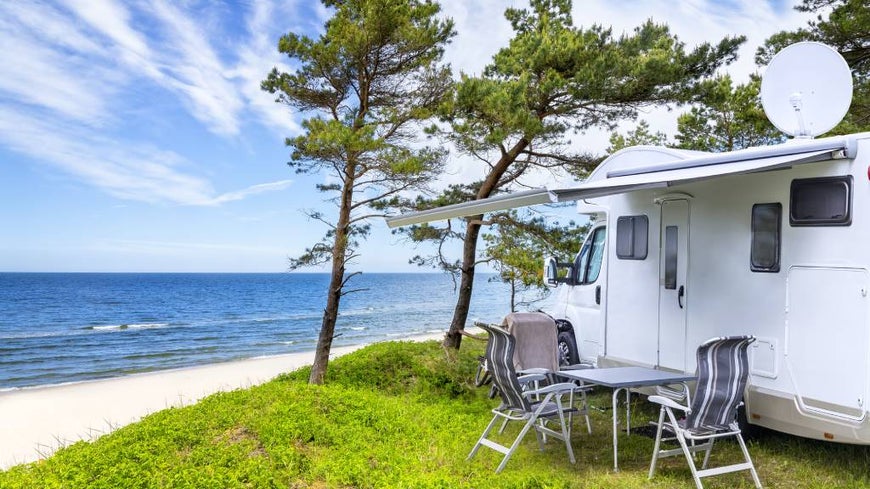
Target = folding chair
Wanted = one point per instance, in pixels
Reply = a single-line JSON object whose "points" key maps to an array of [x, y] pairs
{"points": [[711, 414], [537, 352], [522, 405]]}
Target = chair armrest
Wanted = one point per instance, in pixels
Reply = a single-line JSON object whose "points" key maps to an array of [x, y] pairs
{"points": [[553, 388], [664, 401], [525, 379], [534, 371], [577, 366]]}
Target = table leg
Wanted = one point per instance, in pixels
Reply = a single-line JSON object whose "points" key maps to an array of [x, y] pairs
{"points": [[615, 428]]}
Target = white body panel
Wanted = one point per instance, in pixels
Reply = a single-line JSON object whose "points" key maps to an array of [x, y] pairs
{"points": [[811, 363]]}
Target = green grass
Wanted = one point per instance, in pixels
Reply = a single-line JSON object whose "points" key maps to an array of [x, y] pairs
{"points": [[395, 415]]}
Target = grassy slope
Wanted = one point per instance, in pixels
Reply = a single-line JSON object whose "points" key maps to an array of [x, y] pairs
{"points": [[393, 415]]}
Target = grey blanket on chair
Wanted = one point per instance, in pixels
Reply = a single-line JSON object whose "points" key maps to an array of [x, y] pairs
{"points": [[535, 335]]}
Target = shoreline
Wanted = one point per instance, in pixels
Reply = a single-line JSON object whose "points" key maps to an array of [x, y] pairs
{"points": [[36, 421]]}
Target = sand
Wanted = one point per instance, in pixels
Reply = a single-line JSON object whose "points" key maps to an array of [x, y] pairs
{"points": [[34, 422]]}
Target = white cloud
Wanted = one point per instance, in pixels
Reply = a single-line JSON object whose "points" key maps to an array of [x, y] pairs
{"points": [[252, 190], [256, 58], [197, 72], [38, 73], [483, 30], [136, 172], [70, 70], [82, 60], [112, 19]]}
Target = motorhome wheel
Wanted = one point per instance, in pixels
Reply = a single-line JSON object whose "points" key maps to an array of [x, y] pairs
{"points": [[567, 349]]}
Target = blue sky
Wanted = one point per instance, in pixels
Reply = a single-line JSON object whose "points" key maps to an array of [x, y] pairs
{"points": [[134, 135]]}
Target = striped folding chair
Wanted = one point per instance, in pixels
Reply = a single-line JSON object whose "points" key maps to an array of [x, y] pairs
{"points": [[711, 414], [532, 406]]}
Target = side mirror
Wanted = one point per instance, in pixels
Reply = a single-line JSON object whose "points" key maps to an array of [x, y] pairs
{"points": [[551, 272]]}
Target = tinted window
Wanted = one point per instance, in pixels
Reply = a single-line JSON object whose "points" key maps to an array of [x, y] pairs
{"points": [[632, 236], [821, 201], [671, 257], [766, 231], [597, 256], [588, 261]]}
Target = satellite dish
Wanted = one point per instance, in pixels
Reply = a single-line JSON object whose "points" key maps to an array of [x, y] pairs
{"points": [[806, 89]]}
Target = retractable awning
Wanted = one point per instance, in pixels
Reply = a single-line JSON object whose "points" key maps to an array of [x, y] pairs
{"points": [[656, 176]]}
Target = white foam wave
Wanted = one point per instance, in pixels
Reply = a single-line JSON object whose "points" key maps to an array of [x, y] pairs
{"points": [[121, 327]]}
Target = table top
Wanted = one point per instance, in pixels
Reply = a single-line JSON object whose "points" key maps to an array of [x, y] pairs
{"points": [[616, 377]]}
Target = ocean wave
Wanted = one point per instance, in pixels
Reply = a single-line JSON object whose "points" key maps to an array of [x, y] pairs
{"points": [[40, 334], [122, 327], [273, 319]]}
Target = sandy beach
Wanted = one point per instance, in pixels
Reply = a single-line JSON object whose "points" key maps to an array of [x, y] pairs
{"points": [[34, 422]]}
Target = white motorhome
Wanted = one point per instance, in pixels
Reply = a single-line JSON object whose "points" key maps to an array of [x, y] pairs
{"points": [[770, 241]]}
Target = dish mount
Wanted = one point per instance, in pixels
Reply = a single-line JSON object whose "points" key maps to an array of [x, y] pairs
{"points": [[806, 90]]}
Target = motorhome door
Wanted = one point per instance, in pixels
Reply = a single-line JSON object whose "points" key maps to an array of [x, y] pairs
{"points": [[673, 289], [586, 296]]}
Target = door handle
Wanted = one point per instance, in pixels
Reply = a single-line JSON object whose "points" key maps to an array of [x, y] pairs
{"points": [[680, 294], [598, 294]]}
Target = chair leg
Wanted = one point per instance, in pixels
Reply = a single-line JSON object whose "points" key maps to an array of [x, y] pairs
{"points": [[749, 461], [566, 432], [531, 422], [655, 457], [690, 458], [503, 425], [707, 453], [541, 437], [483, 437]]}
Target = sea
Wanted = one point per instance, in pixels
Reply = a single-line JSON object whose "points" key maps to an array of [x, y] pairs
{"points": [[70, 327]]}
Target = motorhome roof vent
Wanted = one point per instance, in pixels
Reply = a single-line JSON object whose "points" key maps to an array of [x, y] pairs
{"points": [[806, 89]]}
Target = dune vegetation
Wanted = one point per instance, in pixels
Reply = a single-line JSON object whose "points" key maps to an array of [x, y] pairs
{"points": [[396, 414]]}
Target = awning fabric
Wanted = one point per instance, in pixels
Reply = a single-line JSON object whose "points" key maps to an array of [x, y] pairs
{"points": [[669, 178], [473, 207], [660, 176]]}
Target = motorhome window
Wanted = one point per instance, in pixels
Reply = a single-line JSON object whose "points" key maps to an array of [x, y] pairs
{"points": [[588, 261], [581, 262], [766, 232], [632, 235], [597, 256], [671, 257], [821, 201]]}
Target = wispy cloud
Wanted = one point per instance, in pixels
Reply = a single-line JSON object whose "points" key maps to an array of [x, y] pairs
{"points": [[135, 172], [38, 73], [197, 72], [256, 58], [252, 190], [77, 63]]}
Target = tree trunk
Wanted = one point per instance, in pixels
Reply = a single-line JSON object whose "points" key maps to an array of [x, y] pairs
{"points": [[327, 326], [469, 256], [336, 283], [453, 338]]}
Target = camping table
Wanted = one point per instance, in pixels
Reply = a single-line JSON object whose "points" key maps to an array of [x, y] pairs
{"points": [[624, 378]]}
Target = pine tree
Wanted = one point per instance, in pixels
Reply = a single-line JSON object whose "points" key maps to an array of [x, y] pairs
{"points": [[553, 78], [365, 84]]}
